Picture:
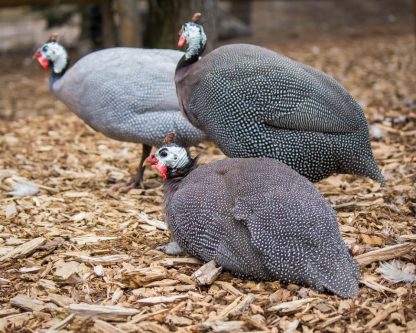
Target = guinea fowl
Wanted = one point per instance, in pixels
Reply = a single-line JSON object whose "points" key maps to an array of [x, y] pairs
{"points": [[253, 102], [257, 218], [128, 94]]}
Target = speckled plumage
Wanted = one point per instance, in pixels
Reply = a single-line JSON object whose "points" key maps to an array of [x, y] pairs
{"points": [[253, 102], [259, 219], [127, 94]]}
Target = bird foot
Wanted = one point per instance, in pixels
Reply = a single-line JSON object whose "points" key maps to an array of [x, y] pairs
{"points": [[171, 248], [126, 187]]}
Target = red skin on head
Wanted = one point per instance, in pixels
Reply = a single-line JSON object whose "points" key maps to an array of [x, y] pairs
{"points": [[159, 166], [43, 61], [182, 42]]}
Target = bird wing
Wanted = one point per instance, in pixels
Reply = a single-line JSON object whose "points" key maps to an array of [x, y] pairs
{"points": [[248, 81], [298, 251], [300, 118], [206, 228], [317, 104], [121, 80]]}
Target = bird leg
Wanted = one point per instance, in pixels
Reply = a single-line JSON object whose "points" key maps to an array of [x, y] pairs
{"points": [[137, 181]]}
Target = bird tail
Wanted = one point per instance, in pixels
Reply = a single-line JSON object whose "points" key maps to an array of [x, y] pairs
{"points": [[358, 159], [340, 277]]}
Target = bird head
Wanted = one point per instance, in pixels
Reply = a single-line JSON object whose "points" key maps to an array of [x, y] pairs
{"points": [[170, 159], [52, 53], [192, 33]]}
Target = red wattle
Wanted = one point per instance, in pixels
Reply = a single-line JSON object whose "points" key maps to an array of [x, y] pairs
{"points": [[160, 167], [163, 170], [182, 42], [43, 61]]}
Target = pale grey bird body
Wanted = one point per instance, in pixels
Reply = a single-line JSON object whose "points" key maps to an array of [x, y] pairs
{"points": [[258, 219], [253, 102], [128, 94]]}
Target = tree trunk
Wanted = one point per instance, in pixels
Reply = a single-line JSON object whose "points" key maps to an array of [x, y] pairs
{"points": [[107, 23], [130, 33], [166, 17], [242, 10]]}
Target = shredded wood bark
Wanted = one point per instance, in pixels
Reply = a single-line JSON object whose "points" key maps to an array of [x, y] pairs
{"points": [[78, 257]]}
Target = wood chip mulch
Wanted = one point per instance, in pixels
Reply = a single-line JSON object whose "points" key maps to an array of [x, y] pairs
{"points": [[77, 257]]}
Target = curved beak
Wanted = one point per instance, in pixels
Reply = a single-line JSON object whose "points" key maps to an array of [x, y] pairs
{"points": [[43, 61], [159, 166], [151, 160], [181, 42]]}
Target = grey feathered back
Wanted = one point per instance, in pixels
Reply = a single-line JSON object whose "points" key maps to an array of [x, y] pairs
{"points": [[127, 94], [253, 102], [260, 219]]}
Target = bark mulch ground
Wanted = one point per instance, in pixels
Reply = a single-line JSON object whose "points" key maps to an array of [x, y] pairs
{"points": [[77, 257]]}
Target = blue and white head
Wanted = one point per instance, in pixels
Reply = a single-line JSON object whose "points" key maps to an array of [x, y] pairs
{"points": [[171, 159], [52, 54], [192, 33]]}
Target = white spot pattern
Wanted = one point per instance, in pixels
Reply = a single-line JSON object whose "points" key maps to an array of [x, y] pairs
{"points": [[128, 94], [253, 102], [260, 219]]}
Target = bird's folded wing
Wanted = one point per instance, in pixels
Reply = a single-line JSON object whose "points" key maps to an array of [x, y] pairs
{"points": [[284, 243], [311, 114]]}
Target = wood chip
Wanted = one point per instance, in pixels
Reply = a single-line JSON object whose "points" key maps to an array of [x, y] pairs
{"points": [[14, 320], [292, 306], [237, 307], [228, 287], [376, 286], [27, 303], [151, 327], [172, 262], [61, 300], [8, 312], [222, 326], [24, 249], [292, 326], [257, 321], [207, 274], [10, 210], [116, 296], [33, 269], [4, 282], [106, 312], [408, 237], [105, 327], [162, 299], [141, 317], [330, 321], [386, 253], [225, 311], [70, 272], [178, 321], [48, 284], [380, 316], [90, 239], [142, 276], [155, 223], [62, 324], [103, 260]]}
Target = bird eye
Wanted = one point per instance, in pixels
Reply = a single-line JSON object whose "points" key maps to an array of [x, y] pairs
{"points": [[45, 49], [163, 153]]}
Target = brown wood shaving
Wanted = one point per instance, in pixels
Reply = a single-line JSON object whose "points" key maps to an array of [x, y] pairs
{"points": [[108, 312], [386, 253], [110, 239]]}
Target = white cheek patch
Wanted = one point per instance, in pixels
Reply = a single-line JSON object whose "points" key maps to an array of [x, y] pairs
{"points": [[177, 157], [57, 54]]}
